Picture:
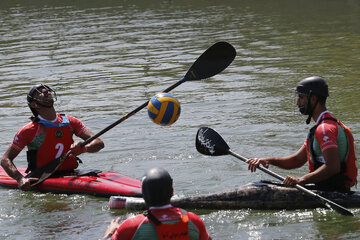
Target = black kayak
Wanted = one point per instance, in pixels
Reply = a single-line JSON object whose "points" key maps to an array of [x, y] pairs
{"points": [[263, 195]]}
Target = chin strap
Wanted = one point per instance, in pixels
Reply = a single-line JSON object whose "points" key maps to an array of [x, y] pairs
{"points": [[308, 119], [311, 108]]}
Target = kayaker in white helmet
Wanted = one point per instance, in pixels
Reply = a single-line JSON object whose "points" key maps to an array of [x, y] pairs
{"points": [[47, 137], [329, 147]]}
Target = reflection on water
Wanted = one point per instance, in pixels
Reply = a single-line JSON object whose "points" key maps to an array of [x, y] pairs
{"points": [[106, 58]]}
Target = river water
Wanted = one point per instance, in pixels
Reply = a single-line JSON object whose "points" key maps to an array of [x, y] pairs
{"points": [[105, 58]]}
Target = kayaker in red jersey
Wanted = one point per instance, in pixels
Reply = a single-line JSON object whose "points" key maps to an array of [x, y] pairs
{"points": [[48, 136], [161, 220], [329, 147]]}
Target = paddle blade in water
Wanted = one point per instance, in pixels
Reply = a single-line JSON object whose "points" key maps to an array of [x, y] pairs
{"points": [[214, 60], [209, 142]]}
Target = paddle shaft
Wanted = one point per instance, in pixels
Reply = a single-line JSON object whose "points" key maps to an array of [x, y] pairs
{"points": [[325, 201]]}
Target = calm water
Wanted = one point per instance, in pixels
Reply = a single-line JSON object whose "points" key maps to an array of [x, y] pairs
{"points": [[105, 58]]}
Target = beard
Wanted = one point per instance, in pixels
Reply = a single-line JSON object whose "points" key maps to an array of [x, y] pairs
{"points": [[303, 110], [47, 102]]}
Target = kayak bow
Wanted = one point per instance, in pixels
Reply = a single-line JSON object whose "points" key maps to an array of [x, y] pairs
{"points": [[91, 182]]}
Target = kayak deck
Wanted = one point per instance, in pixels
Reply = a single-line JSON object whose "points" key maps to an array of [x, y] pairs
{"points": [[92, 182], [259, 195]]}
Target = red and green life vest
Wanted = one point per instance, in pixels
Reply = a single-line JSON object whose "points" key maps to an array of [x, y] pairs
{"points": [[55, 142], [171, 231], [349, 168]]}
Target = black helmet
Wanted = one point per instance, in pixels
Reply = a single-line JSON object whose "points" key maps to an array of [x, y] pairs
{"points": [[313, 85], [157, 187], [31, 92]]}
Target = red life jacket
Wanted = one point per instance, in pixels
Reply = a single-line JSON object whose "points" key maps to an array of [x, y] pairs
{"points": [[58, 139], [349, 169], [173, 231]]}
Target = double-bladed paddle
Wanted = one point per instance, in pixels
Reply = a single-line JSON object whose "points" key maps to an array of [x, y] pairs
{"points": [[209, 142], [214, 60]]}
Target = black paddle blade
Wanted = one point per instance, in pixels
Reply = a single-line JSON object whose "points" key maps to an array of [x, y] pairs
{"points": [[209, 142], [214, 60], [47, 170]]}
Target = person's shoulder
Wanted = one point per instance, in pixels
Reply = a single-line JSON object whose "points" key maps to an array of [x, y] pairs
{"points": [[73, 120], [25, 135], [29, 127], [181, 211], [192, 214], [199, 224], [328, 127], [328, 119], [195, 218], [134, 220], [128, 228]]}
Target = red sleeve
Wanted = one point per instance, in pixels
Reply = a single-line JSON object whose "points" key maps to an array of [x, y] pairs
{"points": [[76, 125], [128, 228], [196, 220], [25, 136], [326, 134]]}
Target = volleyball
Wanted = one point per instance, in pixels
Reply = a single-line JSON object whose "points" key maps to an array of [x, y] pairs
{"points": [[164, 109]]}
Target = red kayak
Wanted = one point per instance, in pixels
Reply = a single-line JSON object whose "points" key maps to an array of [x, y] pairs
{"points": [[93, 182]]}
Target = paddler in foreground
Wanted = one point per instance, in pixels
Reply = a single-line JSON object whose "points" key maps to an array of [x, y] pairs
{"points": [[47, 136], [161, 220], [329, 147]]}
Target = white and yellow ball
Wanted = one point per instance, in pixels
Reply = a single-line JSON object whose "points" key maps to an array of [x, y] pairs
{"points": [[164, 109]]}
